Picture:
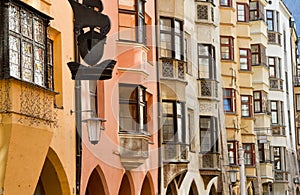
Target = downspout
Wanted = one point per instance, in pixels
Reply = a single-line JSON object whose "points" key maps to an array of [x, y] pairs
{"points": [[158, 99], [78, 119]]}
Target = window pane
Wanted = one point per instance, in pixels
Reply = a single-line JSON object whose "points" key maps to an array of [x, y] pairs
{"points": [[14, 19], [127, 26], [177, 27], [128, 117], [227, 105], [225, 41], [14, 56], [27, 54], [241, 12], [26, 21], [168, 129], [127, 4], [177, 47], [225, 52], [165, 24], [39, 31], [167, 107], [224, 2], [39, 66], [203, 50], [127, 93]]}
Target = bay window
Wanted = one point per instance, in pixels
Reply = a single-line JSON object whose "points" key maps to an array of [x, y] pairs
{"points": [[246, 103], [260, 101], [206, 61], [132, 108], [227, 51], [258, 55], [208, 134], [242, 12], [264, 151], [277, 158], [29, 54], [249, 154], [232, 152], [256, 10], [173, 121], [245, 59], [229, 100], [226, 3], [132, 21], [171, 38]]}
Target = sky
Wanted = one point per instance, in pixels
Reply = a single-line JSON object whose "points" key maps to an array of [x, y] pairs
{"points": [[294, 7]]}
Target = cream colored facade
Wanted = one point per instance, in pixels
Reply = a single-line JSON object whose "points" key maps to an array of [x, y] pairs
{"points": [[37, 133], [194, 156]]}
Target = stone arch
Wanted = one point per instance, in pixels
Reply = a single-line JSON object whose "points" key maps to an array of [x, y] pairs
{"points": [[297, 191], [193, 189], [126, 187], [54, 175], [97, 183], [172, 188], [148, 186], [250, 188], [213, 190]]}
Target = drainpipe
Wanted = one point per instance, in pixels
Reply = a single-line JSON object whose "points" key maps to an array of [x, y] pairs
{"points": [[158, 99], [78, 120]]}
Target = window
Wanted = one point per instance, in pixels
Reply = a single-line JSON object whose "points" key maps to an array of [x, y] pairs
{"points": [[277, 158], [260, 101], [27, 47], [226, 3], [173, 121], [208, 134], [297, 102], [264, 151], [132, 20], [256, 10], [133, 108], [245, 59], [191, 129], [270, 20], [246, 105], [171, 38], [206, 61], [277, 112], [229, 100], [249, 154], [232, 152], [242, 12], [274, 67], [202, 12], [258, 55], [227, 48]]}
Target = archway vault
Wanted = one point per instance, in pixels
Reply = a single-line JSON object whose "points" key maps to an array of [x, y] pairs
{"points": [[97, 184], [148, 185]]}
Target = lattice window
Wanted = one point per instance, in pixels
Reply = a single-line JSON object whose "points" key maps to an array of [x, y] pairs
{"points": [[167, 68], [181, 70], [27, 47], [206, 88], [202, 12]]}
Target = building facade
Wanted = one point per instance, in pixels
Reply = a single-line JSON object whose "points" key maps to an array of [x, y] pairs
{"points": [[124, 161], [193, 136], [37, 133]]}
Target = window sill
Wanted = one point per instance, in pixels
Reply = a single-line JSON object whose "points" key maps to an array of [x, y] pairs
{"points": [[231, 113], [228, 61], [246, 71], [133, 43], [248, 117]]}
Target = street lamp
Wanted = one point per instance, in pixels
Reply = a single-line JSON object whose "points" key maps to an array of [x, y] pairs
{"points": [[233, 176], [94, 127]]}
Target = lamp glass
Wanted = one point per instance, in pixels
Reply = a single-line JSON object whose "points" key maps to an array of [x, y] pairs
{"points": [[232, 176], [94, 128]]}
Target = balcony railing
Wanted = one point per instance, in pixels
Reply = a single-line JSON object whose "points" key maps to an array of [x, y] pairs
{"points": [[296, 81], [276, 84], [133, 149], [278, 130], [209, 161], [172, 68], [175, 152], [281, 176], [208, 88], [274, 37]]}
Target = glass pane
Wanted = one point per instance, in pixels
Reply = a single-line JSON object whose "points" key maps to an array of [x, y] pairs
{"points": [[224, 2], [274, 117], [39, 66], [203, 50], [14, 19], [127, 27], [177, 47], [26, 21], [165, 41], [204, 68], [165, 24], [39, 34], [225, 52], [227, 105], [179, 130], [205, 141], [27, 54], [204, 123], [127, 4], [225, 40], [14, 56], [168, 129], [167, 107], [243, 52], [127, 93], [177, 27], [128, 117]]}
